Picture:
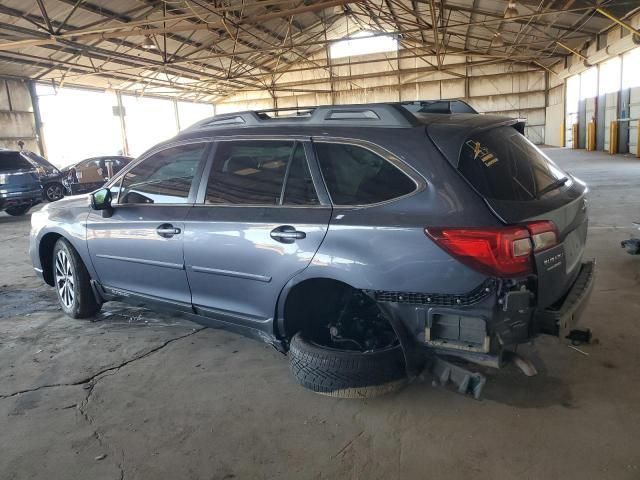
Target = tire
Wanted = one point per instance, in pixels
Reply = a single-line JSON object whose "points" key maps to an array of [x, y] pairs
{"points": [[344, 373], [72, 282], [53, 191], [18, 211]]}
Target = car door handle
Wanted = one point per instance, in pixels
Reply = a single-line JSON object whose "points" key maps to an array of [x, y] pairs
{"points": [[167, 230], [287, 234]]}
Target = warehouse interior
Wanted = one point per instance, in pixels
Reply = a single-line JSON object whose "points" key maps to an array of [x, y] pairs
{"points": [[138, 394]]}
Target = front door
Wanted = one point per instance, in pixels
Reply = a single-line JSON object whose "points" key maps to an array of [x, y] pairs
{"points": [[259, 221], [139, 249]]}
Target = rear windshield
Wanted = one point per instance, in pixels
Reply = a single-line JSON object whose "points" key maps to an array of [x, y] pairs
{"points": [[503, 165], [10, 161], [38, 160]]}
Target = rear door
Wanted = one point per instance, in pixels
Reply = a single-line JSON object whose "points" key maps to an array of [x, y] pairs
{"points": [[259, 221], [521, 184]]}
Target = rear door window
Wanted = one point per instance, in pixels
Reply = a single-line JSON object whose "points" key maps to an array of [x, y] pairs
{"points": [[502, 164], [299, 189], [11, 161], [260, 172], [357, 176]]}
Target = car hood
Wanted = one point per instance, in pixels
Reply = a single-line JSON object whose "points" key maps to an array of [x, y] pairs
{"points": [[69, 202]]}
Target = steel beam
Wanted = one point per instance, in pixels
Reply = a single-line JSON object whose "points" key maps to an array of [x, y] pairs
{"points": [[618, 21]]}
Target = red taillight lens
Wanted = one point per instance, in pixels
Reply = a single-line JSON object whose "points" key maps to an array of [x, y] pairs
{"points": [[543, 234], [502, 252]]}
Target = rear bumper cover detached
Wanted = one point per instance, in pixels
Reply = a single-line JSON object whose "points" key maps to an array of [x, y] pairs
{"points": [[560, 319]]}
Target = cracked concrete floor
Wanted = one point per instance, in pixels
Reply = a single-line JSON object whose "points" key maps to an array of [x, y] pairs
{"points": [[139, 395]]}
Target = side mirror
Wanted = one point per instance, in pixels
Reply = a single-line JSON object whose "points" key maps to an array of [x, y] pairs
{"points": [[101, 199]]}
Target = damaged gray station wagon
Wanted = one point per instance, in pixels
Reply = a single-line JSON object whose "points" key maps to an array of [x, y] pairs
{"points": [[364, 240]]}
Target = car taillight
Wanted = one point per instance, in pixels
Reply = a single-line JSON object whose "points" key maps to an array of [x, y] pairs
{"points": [[544, 235], [501, 252]]}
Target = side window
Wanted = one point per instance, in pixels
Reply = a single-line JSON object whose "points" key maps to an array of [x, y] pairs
{"points": [[299, 189], [357, 176], [164, 177], [254, 172]]}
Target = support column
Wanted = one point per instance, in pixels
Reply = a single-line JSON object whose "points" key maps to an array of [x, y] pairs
{"points": [[35, 103], [123, 127], [176, 114]]}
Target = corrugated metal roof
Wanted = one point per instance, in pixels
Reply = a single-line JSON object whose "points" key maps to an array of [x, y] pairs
{"points": [[196, 50]]}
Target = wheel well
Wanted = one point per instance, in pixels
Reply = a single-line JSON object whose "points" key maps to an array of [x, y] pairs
{"points": [[45, 251], [308, 301], [336, 314]]}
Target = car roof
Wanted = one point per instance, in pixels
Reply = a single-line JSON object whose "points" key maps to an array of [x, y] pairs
{"points": [[307, 120]]}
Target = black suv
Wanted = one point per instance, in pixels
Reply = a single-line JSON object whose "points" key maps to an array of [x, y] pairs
{"points": [[20, 187]]}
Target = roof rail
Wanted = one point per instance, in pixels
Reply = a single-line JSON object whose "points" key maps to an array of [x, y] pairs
{"points": [[449, 105], [372, 114]]}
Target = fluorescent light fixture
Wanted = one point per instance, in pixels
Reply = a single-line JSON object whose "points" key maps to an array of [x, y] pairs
{"points": [[148, 44], [498, 41], [511, 11], [363, 43]]}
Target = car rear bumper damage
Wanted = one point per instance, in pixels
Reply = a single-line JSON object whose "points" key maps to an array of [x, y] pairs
{"points": [[473, 326], [560, 319], [468, 326]]}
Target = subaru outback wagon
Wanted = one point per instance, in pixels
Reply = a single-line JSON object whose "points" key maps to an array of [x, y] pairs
{"points": [[360, 239]]}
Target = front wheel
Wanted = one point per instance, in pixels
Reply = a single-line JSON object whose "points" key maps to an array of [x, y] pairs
{"points": [[53, 191], [17, 211], [72, 282]]}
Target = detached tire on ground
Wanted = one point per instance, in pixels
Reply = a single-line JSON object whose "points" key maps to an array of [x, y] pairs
{"points": [[345, 373]]}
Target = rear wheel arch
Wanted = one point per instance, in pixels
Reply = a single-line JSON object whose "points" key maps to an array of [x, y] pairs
{"points": [[298, 299]]}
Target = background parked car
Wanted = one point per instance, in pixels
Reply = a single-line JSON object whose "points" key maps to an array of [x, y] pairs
{"points": [[20, 187], [92, 173], [50, 176]]}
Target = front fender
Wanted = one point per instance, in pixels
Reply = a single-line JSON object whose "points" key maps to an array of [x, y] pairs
{"points": [[69, 222]]}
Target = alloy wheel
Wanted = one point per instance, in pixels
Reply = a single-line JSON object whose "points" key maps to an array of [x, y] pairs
{"points": [[54, 192], [64, 279]]}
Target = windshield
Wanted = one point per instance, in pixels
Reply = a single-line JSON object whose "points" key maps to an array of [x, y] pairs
{"points": [[39, 161], [503, 165]]}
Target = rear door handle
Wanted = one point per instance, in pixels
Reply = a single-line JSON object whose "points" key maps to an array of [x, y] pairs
{"points": [[287, 234], [166, 230]]}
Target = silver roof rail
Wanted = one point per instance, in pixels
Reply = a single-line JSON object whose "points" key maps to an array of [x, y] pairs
{"points": [[388, 115], [446, 106]]}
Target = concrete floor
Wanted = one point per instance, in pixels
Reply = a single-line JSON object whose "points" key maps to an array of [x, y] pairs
{"points": [[138, 395]]}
